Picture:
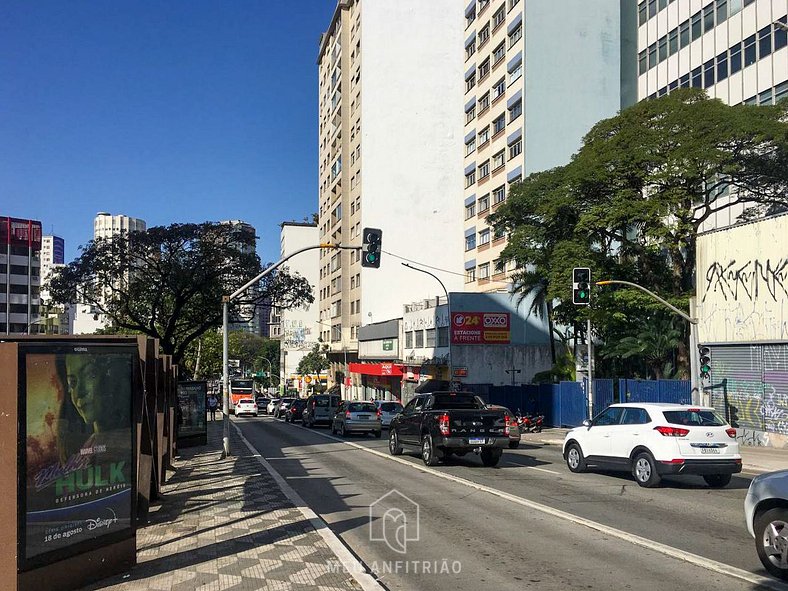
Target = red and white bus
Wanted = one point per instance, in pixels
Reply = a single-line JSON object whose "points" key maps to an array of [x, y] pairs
{"points": [[240, 389]]}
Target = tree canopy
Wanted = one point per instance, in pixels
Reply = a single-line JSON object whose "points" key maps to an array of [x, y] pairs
{"points": [[168, 281], [314, 362], [631, 202]]}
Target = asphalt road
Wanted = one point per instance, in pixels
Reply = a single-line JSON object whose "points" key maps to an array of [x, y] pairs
{"points": [[475, 539]]}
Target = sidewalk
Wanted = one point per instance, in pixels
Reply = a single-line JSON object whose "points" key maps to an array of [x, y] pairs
{"points": [[754, 459], [227, 525]]}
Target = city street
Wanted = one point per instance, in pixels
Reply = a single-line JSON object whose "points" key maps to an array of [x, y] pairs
{"points": [[504, 535]]}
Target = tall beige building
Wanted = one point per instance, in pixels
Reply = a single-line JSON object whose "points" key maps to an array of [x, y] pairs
{"points": [[390, 134]]}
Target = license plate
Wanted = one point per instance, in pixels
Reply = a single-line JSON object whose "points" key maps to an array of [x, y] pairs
{"points": [[363, 417], [477, 440], [709, 450]]}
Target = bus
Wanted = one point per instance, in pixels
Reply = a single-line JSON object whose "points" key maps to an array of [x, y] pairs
{"points": [[240, 389]]}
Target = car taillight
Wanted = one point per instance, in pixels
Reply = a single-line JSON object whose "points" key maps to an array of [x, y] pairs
{"points": [[731, 433], [672, 431], [347, 414], [380, 414], [292, 410], [676, 461], [443, 424]]}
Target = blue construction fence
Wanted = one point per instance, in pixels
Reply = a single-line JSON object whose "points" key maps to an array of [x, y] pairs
{"points": [[566, 404]]}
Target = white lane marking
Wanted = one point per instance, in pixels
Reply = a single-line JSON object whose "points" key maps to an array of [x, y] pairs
{"points": [[694, 559], [350, 563], [533, 468]]}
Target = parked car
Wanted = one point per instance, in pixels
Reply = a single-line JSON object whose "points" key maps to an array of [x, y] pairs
{"points": [[262, 404], [295, 412], [388, 410], [356, 417], [272, 405], [320, 409], [442, 424], [246, 406], [514, 426], [653, 440], [766, 511], [281, 409]]}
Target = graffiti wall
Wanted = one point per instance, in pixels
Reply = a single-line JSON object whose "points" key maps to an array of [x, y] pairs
{"points": [[742, 283]]}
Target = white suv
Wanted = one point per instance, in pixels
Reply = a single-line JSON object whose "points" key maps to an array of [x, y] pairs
{"points": [[652, 440]]}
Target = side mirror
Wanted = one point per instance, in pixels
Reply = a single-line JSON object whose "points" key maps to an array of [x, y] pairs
{"points": [[587, 423]]}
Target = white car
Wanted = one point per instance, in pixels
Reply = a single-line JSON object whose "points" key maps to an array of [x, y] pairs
{"points": [[272, 405], [652, 440], [246, 406], [388, 410], [766, 510]]}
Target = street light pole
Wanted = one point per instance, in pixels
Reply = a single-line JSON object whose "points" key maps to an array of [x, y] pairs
{"points": [[226, 300], [448, 308]]}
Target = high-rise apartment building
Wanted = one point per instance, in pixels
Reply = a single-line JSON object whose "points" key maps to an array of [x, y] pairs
{"points": [[538, 75], [52, 256], [106, 225], [298, 328], [734, 49], [20, 272], [390, 134]]}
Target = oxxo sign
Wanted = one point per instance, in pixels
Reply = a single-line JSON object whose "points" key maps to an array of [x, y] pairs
{"points": [[480, 328]]}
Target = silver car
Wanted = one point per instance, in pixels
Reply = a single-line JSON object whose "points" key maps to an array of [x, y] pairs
{"points": [[357, 417], [766, 510], [388, 410]]}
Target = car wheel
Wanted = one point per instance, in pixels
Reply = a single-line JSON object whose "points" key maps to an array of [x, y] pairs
{"points": [[378, 434], [514, 444], [771, 541], [395, 449], [644, 469], [717, 480], [491, 457], [574, 459], [428, 454]]}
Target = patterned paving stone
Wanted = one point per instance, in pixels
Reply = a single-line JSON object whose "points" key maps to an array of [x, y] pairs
{"points": [[225, 525]]}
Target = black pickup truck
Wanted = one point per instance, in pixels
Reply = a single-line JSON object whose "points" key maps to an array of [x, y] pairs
{"points": [[443, 424]]}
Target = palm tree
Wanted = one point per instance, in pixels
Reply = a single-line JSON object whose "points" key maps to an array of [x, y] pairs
{"points": [[655, 343], [531, 284]]}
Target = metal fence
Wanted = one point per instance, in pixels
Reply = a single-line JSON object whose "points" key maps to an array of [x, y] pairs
{"points": [[675, 391]]}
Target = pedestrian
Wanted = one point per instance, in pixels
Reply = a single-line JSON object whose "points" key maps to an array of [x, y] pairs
{"points": [[213, 403]]}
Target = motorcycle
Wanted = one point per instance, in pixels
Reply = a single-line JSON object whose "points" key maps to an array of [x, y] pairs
{"points": [[530, 423]]}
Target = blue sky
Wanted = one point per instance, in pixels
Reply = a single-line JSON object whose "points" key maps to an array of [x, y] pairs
{"points": [[171, 111]]}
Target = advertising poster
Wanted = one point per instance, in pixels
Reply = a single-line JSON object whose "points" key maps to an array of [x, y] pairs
{"points": [[191, 409], [79, 455], [480, 328]]}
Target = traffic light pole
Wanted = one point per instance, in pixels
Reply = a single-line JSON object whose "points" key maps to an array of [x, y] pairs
{"points": [[226, 300], [697, 393], [590, 350]]}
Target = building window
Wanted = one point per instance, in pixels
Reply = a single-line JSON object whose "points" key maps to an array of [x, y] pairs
{"points": [[484, 35], [443, 336], [484, 169], [652, 56], [470, 82], [643, 62], [708, 74], [516, 35], [484, 136], [484, 69], [499, 88], [780, 34], [470, 210], [708, 18], [470, 17], [499, 195], [470, 146], [750, 55], [430, 340], [696, 25], [722, 11], [652, 8], [515, 74], [498, 160], [484, 102], [516, 149], [484, 203], [470, 49], [642, 13], [470, 275], [498, 267], [483, 4], [684, 35], [484, 271], [673, 41], [498, 233], [735, 58], [697, 77], [470, 114], [484, 237], [735, 7], [722, 66], [470, 178], [499, 17], [409, 339], [470, 241], [684, 82], [419, 339], [662, 53], [499, 53], [499, 124], [764, 42], [515, 110]]}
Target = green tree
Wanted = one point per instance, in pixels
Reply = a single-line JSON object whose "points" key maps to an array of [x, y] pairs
{"points": [[168, 282], [314, 362], [632, 200], [654, 346]]}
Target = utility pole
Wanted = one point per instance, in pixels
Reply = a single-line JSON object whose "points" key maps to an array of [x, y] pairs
{"points": [[513, 371], [226, 301]]}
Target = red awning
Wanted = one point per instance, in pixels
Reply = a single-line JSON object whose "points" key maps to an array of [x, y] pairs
{"points": [[376, 369]]}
